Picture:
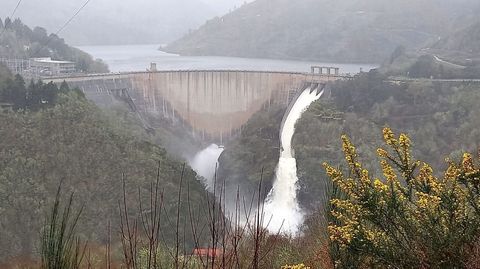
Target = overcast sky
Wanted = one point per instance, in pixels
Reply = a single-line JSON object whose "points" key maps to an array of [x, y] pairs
{"points": [[119, 22]]}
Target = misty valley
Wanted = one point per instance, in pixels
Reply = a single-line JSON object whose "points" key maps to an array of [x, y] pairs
{"points": [[260, 134]]}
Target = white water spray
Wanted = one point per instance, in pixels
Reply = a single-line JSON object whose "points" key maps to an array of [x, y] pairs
{"points": [[205, 162], [281, 206]]}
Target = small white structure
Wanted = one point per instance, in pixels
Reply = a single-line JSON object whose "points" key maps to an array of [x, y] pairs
{"points": [[49, 67]]}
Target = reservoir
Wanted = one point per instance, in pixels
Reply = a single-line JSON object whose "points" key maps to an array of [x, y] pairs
{"points": [[138, 58]]}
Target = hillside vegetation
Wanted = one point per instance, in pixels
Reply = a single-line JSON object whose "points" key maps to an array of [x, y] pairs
{"points": [[253, 156], [21, 42], [346, 31], [66, 140]]}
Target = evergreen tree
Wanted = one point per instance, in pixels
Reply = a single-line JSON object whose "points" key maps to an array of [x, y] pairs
{"points": [[8, 23]]}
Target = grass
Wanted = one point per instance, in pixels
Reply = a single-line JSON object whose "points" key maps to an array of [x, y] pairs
{"points": [[60, 248]]}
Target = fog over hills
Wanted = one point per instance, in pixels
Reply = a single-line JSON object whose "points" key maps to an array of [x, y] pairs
{"points": [[224, 6], [461, 44], [350, 31], [119, 22]]}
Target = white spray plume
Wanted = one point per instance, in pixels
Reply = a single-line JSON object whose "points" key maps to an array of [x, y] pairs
{"points": [[282, 212]]}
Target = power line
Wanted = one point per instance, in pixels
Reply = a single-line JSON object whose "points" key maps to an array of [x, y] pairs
{"points": [[63, 27], [73, 17], [11, 16], [15, 9]]}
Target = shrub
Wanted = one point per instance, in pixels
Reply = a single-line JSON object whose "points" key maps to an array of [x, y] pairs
{"points": [[410, 218]]}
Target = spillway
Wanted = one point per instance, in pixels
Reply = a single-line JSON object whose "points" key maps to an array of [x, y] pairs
{"points": [[281, 209], [205, 164]]}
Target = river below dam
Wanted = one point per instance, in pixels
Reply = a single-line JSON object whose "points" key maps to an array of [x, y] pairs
{"points": [[138, 58]]}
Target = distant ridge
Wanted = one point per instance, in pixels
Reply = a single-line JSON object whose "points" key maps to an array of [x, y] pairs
{"points": [[340, 31]]}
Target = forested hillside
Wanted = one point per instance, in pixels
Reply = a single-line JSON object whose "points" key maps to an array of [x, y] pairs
{"points": [[58, 138], [20, 41], [253, 156], [346, 31]]}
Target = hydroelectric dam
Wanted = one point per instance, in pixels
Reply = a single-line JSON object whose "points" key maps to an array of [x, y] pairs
{"points": [[213, 104]]}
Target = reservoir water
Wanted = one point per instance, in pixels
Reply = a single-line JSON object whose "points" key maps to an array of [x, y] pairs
{"points": [[138, 58]]}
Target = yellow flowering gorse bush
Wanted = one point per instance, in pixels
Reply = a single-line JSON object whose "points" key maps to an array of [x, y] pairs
{"points": [[408, 217]]}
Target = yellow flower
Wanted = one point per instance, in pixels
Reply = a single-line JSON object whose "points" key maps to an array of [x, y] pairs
{"points": [[388, 136], [376, 237], [342, 234], [452, 171], [467, 163], [424, 200], [426, 178], [427, 201], [380, 186], [365, 179], [332, 172], [388, 171], [346, 184], [405, 146], [382, 153], [350, 152], [404, 141]]}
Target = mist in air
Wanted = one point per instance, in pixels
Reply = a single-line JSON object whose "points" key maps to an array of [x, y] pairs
{"points": [[205, 163], [107, 22]]}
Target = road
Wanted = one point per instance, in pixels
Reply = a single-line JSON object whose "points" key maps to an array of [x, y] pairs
{"points": [[405, 79], [448, 63]]}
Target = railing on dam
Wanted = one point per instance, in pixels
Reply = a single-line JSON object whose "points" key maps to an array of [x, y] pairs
{"points": [[215, 104], [312, 76]]}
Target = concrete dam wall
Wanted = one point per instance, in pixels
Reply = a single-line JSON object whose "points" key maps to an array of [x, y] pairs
{"points": [[214, 104]]}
